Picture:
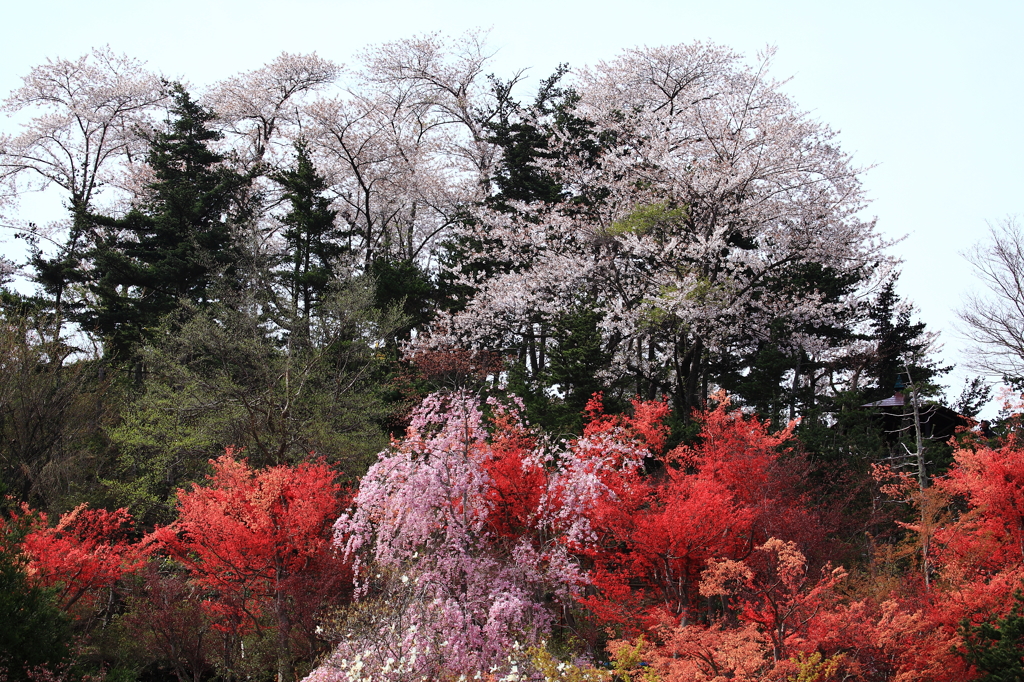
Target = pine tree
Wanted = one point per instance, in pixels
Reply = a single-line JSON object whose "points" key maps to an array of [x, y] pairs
{"points": [[177, 244], [903, 346], [314, 244], [996, 645]]}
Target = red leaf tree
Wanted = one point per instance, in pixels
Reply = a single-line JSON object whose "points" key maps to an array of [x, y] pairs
{"points": [[989, 537], [260, 542], [774, 590], [657, 525], [85, 553]]}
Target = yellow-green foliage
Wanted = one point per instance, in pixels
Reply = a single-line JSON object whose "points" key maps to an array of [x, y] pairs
{"points": [[628, 663], [644, 219], [701, 290], [815, 667]]}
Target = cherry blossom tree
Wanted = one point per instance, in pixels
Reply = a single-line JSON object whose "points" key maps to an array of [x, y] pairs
{"points": [[709, 194], [87, 114], [470, 534], [406, 146], [259, 110], [80, 128], [385, 174], [459, 543], [261, 116], [442, 79]]}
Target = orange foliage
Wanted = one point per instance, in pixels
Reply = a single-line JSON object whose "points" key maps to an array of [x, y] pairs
{"points": [[695, 653], [990, 536], [774, 590], [890, 642]]}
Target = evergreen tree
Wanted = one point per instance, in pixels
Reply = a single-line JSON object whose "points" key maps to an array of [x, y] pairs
{"points": [[218, 378], [557, 399], [555, 365], [781, 378], [996, 646], [404, 287], [177, 244], [902, 349], [523, 134], [314, 245]]}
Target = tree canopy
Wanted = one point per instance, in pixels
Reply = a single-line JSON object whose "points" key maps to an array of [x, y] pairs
{"points": [[395, 372]]}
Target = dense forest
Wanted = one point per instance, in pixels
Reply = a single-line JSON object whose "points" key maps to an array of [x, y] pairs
{"points": [[396, 373]]}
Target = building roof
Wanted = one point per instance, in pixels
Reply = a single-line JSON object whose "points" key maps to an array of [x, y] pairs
{"points": [[895, 401]]}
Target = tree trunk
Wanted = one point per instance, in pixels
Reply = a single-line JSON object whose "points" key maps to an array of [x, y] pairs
{"points": [[693, 378]]}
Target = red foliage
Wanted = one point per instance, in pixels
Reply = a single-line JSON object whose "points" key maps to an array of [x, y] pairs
{"points": [[260, 540], [695, 653], [990, 536], [758, 468], [889, 642], [453, 366], [645, 427], [658, 528], [165, 613], [980, 555], [774, 590], [85, 553], [518, 480], [656, 538], [824, 640]]}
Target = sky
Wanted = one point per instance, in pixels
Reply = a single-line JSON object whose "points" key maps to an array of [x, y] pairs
{"points": [[926, 95]]}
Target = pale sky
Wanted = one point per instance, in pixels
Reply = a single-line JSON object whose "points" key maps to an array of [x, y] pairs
{"points": [[928, 93]]}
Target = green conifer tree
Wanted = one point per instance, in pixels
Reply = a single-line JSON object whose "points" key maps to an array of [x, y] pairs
{"points": [[314, 245], [176, 245]]}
